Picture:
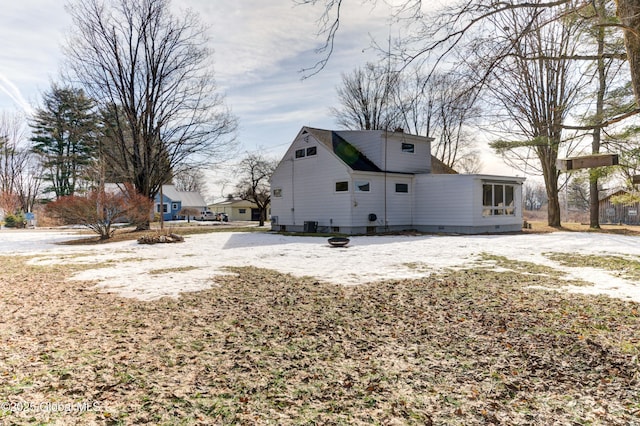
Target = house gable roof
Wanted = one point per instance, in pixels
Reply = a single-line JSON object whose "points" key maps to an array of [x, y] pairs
{"points": [[187, 198], [439, 168], [343, 150], [234, 203]]}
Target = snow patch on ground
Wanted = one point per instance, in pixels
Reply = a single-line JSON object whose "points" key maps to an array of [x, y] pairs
{"points": [[149, 272]]}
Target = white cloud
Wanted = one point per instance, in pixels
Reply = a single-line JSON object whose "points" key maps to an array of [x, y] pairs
{"points": [[259, 49], [10, 89]]}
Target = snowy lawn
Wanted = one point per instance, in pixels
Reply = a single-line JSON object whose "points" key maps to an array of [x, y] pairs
{"points": [[418, 330], [149, 272]]}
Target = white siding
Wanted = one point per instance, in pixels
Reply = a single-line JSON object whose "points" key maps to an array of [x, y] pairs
{"points": [[418, 161], [399, 204], [366, 203], [456, 200], [308, 188], [372, 144], [444, 200], [447, 203]]}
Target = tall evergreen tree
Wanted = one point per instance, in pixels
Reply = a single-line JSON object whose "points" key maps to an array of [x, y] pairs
{"points": [[64, 136]]}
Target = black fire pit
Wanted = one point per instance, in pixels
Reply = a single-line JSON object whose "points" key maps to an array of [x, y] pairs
{"points": [[338, 241]]}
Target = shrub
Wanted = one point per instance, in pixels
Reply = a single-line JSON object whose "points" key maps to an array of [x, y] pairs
{"points": [[99, 210], [15, 221]]}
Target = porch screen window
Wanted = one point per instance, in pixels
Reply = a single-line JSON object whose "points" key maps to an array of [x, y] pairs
{"points": [[299, 153], [408, 147], [498, 199], [402, 187], [342, 186], [362, 186]]}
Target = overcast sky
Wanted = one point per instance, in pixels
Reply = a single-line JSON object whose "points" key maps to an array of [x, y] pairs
{"points": [[260, 47]]}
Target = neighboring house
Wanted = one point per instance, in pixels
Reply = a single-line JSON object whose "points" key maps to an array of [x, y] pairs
{"points": [[357, 182], [618, 213], [238, 210], [174, 201]]}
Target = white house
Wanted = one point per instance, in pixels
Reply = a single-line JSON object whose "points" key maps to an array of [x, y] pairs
{"points": [[357, 182]]}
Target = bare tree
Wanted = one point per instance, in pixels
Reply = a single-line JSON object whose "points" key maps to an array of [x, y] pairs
{"points": [[189, 180], [375, 98], [20, 172], [447, 111], [535, 196], [253, 185], [150, 70], [365, 99], [469, 163], [535, 95]]}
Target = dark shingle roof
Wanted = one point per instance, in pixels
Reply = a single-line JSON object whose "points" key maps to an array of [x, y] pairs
{"points": [[344, 150]]}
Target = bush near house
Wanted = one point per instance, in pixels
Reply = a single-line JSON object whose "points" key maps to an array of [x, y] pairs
{"points": [[99, 210], [15, 221]]}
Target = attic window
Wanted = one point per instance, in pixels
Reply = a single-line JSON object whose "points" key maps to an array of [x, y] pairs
{"points": [[408, 147], [312, 150], [362, 186], [300, 153], [342, 186]]}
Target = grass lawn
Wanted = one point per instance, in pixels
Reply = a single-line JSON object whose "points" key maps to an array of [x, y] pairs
{"points": [[466, 347]]}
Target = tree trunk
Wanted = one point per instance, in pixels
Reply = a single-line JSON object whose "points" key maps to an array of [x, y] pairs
{"points": [[263, 215], [553, 208], [594, 199], [594, 204], [629, 13]]}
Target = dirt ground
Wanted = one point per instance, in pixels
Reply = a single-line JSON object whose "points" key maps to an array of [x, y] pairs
{"points": [[467, 347]]}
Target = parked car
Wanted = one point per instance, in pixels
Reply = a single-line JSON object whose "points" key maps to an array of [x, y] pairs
{"points": [[222, 217], [207, 215]]}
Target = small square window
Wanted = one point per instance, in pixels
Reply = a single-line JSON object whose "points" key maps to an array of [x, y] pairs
{"points": [[174, 206], [299, 153], [362, 186], [342, 186], [312, 150], [242, 211], [277, 192], [408, 147], [402, 187]]}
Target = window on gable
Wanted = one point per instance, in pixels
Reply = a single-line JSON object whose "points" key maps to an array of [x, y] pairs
{"points": [[312, 150], [342, 186], [408, 147], [498, 199], [362, 186], [402, 187], [300, 153], [242, 211]]}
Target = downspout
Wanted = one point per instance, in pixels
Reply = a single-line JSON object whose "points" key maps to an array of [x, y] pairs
{"points": [[293, 191], [386, 222]]}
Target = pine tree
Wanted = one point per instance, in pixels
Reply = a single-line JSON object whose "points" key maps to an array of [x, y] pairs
{"points": [[64, 137]]}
